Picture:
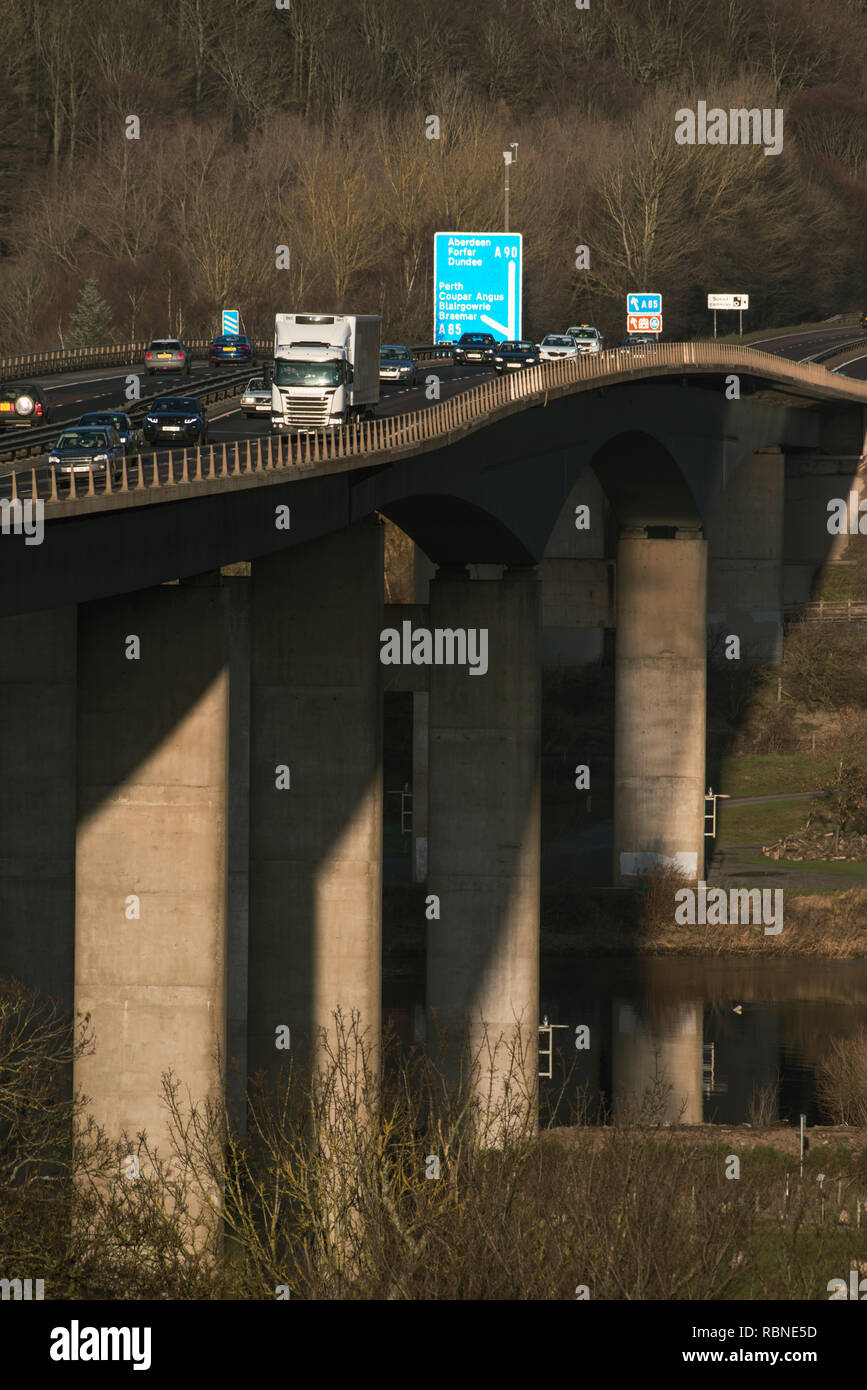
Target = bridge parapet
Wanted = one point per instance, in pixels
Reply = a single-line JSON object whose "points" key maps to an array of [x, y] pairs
{"points": [[396, 436]]}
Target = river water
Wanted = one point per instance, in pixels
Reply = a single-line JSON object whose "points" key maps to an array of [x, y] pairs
{"points": [[720, 1036]]}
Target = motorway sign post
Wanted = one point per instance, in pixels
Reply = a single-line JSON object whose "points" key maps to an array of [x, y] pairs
{"points": [[643, 313], [230, 321], [729, 301], [477, 285]]}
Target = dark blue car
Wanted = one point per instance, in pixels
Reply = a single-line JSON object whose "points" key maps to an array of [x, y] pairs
{"points": [[229, 348], [114, 419], [86, 449]]}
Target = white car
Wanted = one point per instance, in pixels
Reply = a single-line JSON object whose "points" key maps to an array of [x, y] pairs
{"points": [[555, 345], [587, 339], [256, 399]]}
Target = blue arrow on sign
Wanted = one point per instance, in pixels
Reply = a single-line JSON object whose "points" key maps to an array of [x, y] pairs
{"points": [[644, 304]]}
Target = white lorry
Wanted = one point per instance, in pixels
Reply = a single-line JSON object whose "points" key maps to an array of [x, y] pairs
{"points": [[326, 370]]}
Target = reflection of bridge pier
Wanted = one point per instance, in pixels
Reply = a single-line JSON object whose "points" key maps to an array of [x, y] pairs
{"points": [[651, 1054]]}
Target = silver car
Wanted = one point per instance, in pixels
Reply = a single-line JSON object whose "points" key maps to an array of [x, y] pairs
{"points": [[256, 399], [166, 355], [396, 363], [586, 339]]}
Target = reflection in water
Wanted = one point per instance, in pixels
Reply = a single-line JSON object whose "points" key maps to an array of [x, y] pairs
{"points": [[656, 1061], [736, 1040]]}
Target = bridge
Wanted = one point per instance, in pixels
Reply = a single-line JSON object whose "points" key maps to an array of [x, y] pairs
{"points": [[191, 790]]}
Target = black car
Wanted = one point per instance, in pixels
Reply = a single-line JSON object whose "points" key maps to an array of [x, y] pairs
{"points": [[512, 356], [862, 322], [638, 340], [23, 403], [175, 420], [474, 347]]}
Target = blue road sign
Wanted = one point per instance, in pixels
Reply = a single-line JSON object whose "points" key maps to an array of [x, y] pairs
{"points": [[644, 304], [231, 321], [477, 285]]}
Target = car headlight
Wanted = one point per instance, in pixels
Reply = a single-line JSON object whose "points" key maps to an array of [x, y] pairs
{"points": [[100, 458], [53, 458], [151, 420], [191, 420]]}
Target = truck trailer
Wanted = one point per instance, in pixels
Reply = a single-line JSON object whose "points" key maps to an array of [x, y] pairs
{"points": [[326, 370]]}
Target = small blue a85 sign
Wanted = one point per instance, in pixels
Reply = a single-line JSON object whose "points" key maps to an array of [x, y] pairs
{"points": [[644, 304]]}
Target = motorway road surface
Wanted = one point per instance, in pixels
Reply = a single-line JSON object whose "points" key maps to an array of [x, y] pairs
{"points": [[226, 421], [105, 389]]}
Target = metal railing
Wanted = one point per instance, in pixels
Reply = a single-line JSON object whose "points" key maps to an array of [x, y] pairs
{"points": [[56, 360], [434, 352], [827, 353], [77, 359], [343, 444], [820, 610], [34, 440]]}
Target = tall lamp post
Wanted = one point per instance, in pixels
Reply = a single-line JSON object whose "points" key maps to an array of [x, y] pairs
{"points": [[510, 156]]}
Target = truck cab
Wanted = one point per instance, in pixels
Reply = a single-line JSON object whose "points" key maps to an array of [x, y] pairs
{"points": [[326, 370]]}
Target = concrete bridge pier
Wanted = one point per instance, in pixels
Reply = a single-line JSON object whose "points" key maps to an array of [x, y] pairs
{"points": [[484, 854], [37, 800], [315, 793], [150, 885], [745, 560], [420, 760], [660, 714]]}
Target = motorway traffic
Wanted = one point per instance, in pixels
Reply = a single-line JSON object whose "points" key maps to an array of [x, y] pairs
{"points": [[71, 396]]}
